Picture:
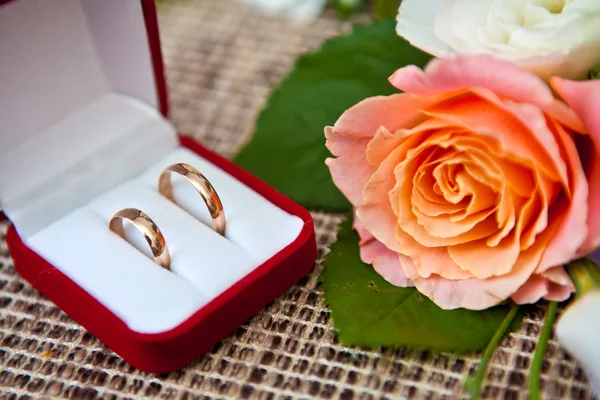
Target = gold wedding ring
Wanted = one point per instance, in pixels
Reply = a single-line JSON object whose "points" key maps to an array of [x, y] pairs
{"points": [[148, 228], [202, 185]]}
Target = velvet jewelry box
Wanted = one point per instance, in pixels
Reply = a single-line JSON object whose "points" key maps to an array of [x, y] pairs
{"points": [[84, 134]]}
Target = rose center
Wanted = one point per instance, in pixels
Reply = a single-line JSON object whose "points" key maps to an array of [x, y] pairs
{"points": [[554, 6], [450, 180]]}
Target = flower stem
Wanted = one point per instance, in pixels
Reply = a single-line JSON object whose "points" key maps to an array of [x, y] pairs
{"points": [[585, 275], [473, 385], [540, 352]]}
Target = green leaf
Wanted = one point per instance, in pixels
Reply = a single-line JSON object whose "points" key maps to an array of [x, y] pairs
{"points": [[288, 147], [368, 311]]}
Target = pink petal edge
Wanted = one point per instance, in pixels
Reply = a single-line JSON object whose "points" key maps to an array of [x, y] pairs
{"points": [[584, 99], [385, 262], [455, 73], [554, 285], [348, 138]]}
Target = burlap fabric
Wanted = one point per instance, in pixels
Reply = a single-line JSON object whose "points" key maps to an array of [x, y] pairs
{"points": [[222, 59]]}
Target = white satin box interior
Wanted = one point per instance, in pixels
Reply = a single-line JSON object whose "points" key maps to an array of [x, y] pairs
{"points": [[81, 138]]}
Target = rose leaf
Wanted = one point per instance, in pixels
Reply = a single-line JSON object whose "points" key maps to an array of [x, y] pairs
{"points": [[288, 149], [370, 312]]}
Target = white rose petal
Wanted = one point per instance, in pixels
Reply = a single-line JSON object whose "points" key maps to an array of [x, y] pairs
{"points": [[547, 37], [578, 330], [418, 29]]}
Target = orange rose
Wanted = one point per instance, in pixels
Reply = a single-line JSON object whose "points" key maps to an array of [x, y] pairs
{"points": [[470, 185]]}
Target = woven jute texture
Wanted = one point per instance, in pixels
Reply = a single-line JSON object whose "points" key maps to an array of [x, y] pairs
{"points": [[222, 59]]}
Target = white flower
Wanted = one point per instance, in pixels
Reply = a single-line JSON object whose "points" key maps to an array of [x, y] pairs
{"points": [[578, 330], [547, 37]]}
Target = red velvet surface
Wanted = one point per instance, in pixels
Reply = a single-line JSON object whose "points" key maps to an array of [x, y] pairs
{"points": [[149, 9], [174, 349]]}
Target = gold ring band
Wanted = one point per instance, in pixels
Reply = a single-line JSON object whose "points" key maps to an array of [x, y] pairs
{"points": [[148, 228], [202, 185]]}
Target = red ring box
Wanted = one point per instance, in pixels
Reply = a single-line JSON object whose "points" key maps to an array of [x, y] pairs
{"points": [[155, 351]]}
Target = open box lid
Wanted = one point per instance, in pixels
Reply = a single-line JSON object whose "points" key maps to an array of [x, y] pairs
{"points": [[65, 65]]}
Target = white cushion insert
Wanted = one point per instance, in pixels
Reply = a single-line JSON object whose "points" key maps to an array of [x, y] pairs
{"points": [[252, 223], [97, 147], [147, 297], [187, 238]]}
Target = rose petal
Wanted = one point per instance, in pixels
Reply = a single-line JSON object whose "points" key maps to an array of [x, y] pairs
{"points": [[416, 21], [384, 261], [584, 99], [363, 234], [559, 276], [561, 62], [535, 120], [350, 171], [376, 212], [477, 294], [533, 290], [483, 261], [558, 292], [546, 44], [348, 138], [564, 115], [398, 111], [495, 167], [451, 226], [422, 204], [506, 217], [442, 75], [400, 198], [427, 261], [457, 25], [570, 216], [465, 111], [532, 218], [384, 142], [554, 285], [513, 126]]}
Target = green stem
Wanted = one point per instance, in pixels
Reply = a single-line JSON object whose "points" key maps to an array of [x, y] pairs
{"points": [[585, 274], [386, 9], [474, 384], [540, 352]]}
